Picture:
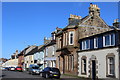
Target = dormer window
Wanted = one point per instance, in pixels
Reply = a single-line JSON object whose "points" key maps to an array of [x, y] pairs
{"points": [[71, 38], [109, 40], [96, 42], [86, 44]]}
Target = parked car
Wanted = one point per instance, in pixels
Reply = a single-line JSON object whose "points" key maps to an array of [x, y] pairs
{"points": [[34, 69], [50, 72], [18, 69], [12, 68], [5, 68]]}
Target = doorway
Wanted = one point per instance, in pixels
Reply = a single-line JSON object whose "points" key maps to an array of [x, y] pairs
{"points": [[93, 70]]}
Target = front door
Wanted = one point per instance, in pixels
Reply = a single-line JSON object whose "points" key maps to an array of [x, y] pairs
{"points": [[93, 70]]}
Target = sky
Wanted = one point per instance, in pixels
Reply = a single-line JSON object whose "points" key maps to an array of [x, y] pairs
{"points": [[27, 23]]}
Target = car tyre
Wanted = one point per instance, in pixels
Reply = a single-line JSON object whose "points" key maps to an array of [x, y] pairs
{"points": [[41, 75], [46, 76], [32, 73], [29, 72]]}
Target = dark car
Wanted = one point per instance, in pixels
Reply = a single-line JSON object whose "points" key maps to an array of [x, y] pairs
{"points": [[50, 72], [18, 69]]}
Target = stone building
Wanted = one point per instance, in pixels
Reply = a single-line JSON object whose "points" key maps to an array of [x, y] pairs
{"points": [[21, 57], [29, 56], [13, 61], [77, 28], [98, 56], [39, 56], [50, 51]]}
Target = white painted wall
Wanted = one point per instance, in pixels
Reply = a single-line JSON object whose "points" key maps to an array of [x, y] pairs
{"points": [[101, 57]]}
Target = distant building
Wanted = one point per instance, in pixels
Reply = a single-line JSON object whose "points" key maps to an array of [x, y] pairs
{"points": [[29, 56], [50, 51], [21, 57], [39, 56], [13, 62]]}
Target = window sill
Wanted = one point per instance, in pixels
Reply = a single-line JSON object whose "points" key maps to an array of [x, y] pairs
{"points": [[53, 55], [113, 76], [108, 45], [83, 73]]}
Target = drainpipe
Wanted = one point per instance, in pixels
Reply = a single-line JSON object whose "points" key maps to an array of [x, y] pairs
{"points": [[119, 52]]}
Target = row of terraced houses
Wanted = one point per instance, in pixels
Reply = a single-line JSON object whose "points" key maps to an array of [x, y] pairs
{"points": [[86, 47]]}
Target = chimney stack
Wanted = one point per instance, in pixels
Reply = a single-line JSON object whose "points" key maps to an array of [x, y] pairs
{"points": [[72, 17], [94, 10], [116, 23]]}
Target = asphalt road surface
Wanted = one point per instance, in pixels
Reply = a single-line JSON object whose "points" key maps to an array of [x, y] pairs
{"points": [[15, 75]]}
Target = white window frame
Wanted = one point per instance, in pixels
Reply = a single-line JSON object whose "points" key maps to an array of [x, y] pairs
{"points": [[110, 40], [108, 59], [84, 47], [95, 44], [63, 39], [72, 32], [84, 69], [46, 51]]}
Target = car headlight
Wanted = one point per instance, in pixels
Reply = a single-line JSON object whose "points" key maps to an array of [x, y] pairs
{"points": [[33, 70]]}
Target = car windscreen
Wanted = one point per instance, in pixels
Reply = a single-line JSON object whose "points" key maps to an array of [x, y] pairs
{"points": [[54, 69], [18, 67], [35, 67]]}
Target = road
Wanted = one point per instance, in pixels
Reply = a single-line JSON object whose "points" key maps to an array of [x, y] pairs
{"points": [[14, 75]]}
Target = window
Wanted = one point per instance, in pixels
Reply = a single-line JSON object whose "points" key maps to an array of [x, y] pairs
{"points": [[85, 44], [71, 38], [46, 51], [59, 42], [83, 66], [66, 38], [95, 42], [63, 39], [110, 66], [53, 50], [72, 62], [109, 40]]}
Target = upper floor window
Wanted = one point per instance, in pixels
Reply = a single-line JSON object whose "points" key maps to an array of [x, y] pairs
{"points": [[46, 51], [53, 36], [59, 42], [53, 50], [109, 40], [71, 38], [96, 42], [85, 44]]}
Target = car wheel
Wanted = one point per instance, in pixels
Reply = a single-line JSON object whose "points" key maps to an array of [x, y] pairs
{"points": [[58, 77], [46, 76], [29, 72], [32, 73], [41, 75]]}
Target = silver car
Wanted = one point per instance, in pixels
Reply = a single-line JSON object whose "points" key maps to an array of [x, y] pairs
{"points": [[34, 69]]}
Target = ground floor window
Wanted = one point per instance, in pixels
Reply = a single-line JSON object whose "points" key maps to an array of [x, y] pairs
{"points": [[83, 65], [110, 66]]}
